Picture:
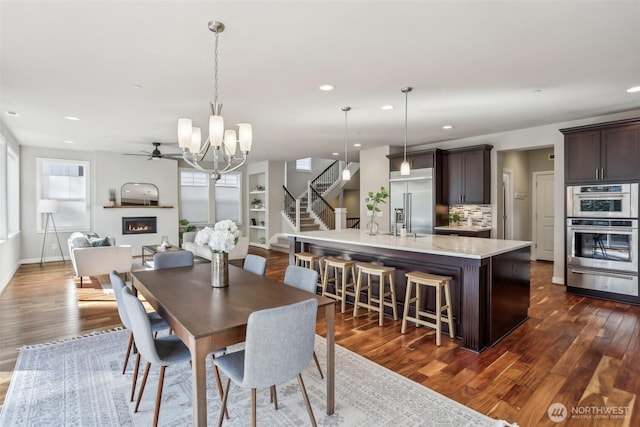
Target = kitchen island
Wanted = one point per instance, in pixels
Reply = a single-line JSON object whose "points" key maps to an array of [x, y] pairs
{"points": [[490, 277]]}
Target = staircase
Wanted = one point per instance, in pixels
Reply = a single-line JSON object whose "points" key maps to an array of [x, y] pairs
{"points": [[317, 214]]}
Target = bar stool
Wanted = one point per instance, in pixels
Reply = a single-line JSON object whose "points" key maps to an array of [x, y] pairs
{"points": [[419, 279], [381, 271], [342, 266], [308, 260]]}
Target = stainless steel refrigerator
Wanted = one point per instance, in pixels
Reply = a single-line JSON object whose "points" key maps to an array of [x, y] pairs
{"points": [[414, 194]]}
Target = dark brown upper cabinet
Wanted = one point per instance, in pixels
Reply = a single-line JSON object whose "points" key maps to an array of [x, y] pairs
{"points": [[468, 175], [416, 159], [604, 152]]}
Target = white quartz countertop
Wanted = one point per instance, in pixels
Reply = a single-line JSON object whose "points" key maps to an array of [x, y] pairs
{"points": [[455, 246], [475, 228]]}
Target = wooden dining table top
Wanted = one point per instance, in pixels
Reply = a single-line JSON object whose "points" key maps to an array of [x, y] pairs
{"points": [[186, 295]]}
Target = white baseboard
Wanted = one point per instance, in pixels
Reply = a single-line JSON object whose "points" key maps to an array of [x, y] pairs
{"points": [[47, 259]]}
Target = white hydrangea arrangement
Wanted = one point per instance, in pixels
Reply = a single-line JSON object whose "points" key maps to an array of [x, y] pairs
{"points": [[222, 238]]}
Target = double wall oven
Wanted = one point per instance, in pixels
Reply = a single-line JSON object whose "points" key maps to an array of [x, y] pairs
{"points": [[602, 238]]}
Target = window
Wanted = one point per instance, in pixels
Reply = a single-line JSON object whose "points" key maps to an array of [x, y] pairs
{"points": [[194, 196], [67, 182], [228, 197], [303, 165]]}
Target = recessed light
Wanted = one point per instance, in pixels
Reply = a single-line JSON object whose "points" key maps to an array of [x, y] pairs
{"points": [[335, 154], [326, 88], [447, 127], [137, 85], [537, 91], [388, 107], [71, 118], [357, 145], [66, 141], [13, 113], [634, 89]]}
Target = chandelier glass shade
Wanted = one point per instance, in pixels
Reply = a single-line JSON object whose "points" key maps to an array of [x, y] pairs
{"points": [[224, 142]]}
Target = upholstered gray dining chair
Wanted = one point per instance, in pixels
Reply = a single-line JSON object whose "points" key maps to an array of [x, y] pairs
{"points": [[172, 259], [279, 344], [255, 264], [164, 351], [307, 280], [156, 323]]}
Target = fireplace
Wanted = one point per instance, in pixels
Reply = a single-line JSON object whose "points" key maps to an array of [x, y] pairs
{"points": [[138, 224]]}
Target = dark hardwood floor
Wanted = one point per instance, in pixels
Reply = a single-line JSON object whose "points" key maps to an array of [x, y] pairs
{"points": [[581, 352]]}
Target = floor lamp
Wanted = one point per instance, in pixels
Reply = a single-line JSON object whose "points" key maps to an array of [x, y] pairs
{"points": [[49, 207]]}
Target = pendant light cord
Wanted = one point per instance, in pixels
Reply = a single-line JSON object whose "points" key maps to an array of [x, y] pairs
{"points": [[346, 131], [406, 104], [406, 91]]}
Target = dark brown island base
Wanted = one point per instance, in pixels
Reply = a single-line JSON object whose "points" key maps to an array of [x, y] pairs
{"points": [[490, 286]]}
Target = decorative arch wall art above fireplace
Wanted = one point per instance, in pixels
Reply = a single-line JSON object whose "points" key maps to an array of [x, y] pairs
{"points": [[139, 225]]}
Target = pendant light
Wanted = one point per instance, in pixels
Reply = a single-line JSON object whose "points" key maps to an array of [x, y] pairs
{"points": [[405, 169], [346, 174]]}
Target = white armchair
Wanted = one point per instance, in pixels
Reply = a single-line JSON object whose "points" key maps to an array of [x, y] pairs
{"points": [[98, 260]]}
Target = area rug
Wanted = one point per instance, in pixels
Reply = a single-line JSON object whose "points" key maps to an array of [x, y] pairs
{"points": [[79, 382]]}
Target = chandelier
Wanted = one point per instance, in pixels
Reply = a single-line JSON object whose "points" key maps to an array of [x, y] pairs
{"points": [[223, 142]]}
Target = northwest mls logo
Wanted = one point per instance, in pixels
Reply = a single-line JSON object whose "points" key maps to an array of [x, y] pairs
{"points": [[557, 412]]}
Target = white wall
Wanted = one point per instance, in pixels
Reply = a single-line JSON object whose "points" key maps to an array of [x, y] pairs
{"points": [[374, 173], [10, 248], [31, 240], [107, 170], [296, 181], [112, 170]]}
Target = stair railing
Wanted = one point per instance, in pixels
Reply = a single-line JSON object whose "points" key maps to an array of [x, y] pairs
{"points": [[326, 178], [353, 222], [323, 210], [290, 208]]}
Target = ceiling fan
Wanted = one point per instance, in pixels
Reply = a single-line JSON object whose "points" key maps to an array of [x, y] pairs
{"points": [[156, 154]]}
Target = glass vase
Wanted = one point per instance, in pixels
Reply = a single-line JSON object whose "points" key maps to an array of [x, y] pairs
{"points": [[372, 226], [219, 269]]}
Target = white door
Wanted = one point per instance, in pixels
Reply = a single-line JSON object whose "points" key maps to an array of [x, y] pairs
{"points": [[543, 215]]}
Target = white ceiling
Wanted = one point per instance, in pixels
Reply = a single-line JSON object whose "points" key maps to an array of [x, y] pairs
{"points": [[481, 66]]}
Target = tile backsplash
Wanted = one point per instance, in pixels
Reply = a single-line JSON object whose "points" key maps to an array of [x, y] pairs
{"points": [[480, 214]]}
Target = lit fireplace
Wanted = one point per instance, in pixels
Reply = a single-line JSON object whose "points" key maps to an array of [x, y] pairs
{"points": [[139, 225]]}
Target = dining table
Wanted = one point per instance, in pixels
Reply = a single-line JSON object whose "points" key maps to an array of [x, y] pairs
{"points": [[208, 319]]}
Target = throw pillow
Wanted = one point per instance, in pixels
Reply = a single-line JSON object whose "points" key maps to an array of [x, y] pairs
{"points": [[100, 241], [81, 242]]}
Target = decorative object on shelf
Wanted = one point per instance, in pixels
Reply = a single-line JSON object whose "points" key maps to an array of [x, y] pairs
{"points": [[139, 194], [221, 240], [405, 169], [346, 173], [259, 188], [253, 221], [262, 223], [222, 141], [112, 197], [256, 203], [262, 240], [374, 200], [49, 207], [454, 218]]}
